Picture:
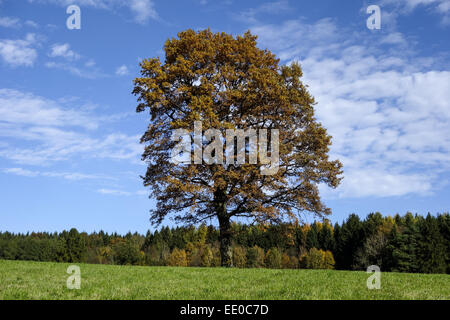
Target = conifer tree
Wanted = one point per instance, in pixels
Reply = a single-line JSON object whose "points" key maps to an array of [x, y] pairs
{"points": [[348, 239], [312, 237], [404, 245], [325, 238], [431, 250]]}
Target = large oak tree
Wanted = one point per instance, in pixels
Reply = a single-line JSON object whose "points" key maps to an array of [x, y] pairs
{"points": [[229, 83]]}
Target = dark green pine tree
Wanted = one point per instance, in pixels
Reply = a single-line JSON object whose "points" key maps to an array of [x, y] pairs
{"points": [[157, 238], [166, 235], [403, 246], [300, 238], [275, 238], [213, 235], [325, 238], [444, 228], [372, 224], [312, 240], [178, 240], [432, 249], [147, 241], [76, 246], [348, 239], [61, 252]]}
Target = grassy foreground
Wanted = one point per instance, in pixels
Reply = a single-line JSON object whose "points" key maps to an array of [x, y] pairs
{"points": [[47, 280]]}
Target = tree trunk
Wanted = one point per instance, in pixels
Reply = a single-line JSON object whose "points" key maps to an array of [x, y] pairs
{"points": [[224, 229], [226, 253]]}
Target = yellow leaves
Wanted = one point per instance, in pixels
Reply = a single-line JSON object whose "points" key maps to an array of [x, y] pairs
{"points": [[229, 83], [317, 259], [178, 258], [388, 225]]}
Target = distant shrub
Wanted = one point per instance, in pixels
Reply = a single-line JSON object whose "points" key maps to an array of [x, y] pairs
{"points": [[127, 252], [285, 261], [216, 257], [273, 259], [178, 258], [255, 257], [206, 256], [239, 257], [329, 260], [191, 255], [294, 262], [317, 259], [199, 255]]}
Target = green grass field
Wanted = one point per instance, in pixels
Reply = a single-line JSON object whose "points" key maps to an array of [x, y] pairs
{"points": [[46, 280]]}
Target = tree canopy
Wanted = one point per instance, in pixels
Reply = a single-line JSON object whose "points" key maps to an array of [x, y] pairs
{"points": [[228, 83]]}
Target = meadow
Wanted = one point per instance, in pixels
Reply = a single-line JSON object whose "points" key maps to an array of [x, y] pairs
{"points": [[47, 280]]}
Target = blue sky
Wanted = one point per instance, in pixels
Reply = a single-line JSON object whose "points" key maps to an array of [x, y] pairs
{"points": [[69, 134]]}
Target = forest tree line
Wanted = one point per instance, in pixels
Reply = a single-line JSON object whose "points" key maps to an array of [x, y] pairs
{"points": [[409, 243]]}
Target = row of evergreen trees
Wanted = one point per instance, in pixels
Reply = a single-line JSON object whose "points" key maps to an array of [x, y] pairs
{"points": [[401, 243]]}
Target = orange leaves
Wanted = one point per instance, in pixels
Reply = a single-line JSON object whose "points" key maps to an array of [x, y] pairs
{"points": [[228, 82]]}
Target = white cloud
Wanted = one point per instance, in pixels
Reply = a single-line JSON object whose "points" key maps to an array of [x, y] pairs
{"points": [[393, 8], [275, 7], [12, 22], [69, 63], [31, 23], [388, 113], [51, 145], [21, 172], [143, 10], [122, 70], [76, 71], [394, 38], [45, 131], [142, 193], [89, 63], [284, 38], [407, 6], [74, 176], [442, 5], [63, 50], [19, 52], [379, 183], [27, 109], [116, 192], [9, 22]]}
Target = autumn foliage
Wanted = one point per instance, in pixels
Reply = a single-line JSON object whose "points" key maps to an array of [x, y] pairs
{"points": [[228, 82]]}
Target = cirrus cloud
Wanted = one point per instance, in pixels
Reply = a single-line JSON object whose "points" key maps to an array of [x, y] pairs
{"points": [[19, 52]]}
